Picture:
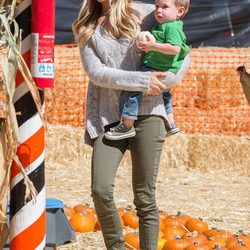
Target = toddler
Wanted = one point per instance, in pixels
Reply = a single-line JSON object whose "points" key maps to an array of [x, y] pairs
{"points": [[165, 49]]}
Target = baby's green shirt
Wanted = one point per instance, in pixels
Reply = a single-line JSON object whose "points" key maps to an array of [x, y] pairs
{"points": [[169, 32]]}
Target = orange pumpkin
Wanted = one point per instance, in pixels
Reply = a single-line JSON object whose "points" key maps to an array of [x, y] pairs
{"points": [[217, 232], [132, 240], [121, 211], [82, 222], [195, 237], [239, 248], [194, 224], [216, 240], [211, 232], [161, 225], [183, 217], [234, 239], [131, 219], [176, 244], [84, 208], [173, 221], [163, 215], [69, 211], [196, 246], [224, 233], [240, 245], [171, 233]]}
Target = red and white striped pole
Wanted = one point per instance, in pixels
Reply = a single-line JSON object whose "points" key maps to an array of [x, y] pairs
{"points": [[28, 220]]}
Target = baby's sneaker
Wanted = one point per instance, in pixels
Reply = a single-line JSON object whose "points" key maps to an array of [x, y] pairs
{"points": [[173, 129], [120, 132]]}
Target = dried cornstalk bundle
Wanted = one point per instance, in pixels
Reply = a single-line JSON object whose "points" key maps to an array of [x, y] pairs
{"points": [[10, 61], [3, 117], [3, 101]]}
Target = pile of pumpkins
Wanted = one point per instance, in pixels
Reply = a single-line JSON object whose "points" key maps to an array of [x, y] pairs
{"points": [[176, 232]]}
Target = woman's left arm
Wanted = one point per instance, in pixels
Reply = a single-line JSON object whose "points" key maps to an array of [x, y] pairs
{"points": [[177, 78]]}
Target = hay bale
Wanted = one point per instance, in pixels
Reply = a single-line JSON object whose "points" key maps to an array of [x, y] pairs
{"points": [[226, 153], [230, 153], [175, 152], [65, 144]]}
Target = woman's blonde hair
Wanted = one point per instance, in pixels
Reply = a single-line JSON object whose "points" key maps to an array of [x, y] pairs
{"points": [[124, 20]]}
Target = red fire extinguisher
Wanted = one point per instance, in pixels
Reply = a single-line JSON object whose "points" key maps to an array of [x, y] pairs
{"points": [[42, 48]]}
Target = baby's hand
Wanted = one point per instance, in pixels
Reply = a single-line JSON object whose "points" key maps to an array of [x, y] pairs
{"points": [[145, 40], [146, 46]]}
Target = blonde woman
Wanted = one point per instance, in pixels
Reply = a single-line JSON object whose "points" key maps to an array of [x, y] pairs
{"points": [[105, 31]]}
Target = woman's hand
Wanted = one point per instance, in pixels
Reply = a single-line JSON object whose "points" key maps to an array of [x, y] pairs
{"points": [[156, 87]]}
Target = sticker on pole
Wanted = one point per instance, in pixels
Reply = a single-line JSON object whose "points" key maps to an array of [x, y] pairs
{"points": [[42, 55]]}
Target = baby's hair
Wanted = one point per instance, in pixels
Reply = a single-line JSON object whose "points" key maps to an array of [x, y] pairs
{"points": [[182, 3]]}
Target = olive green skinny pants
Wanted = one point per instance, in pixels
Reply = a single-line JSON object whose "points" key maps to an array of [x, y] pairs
{"points": [[145, 148]]}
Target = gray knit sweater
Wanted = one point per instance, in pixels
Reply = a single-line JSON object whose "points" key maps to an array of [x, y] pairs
{"points": [[113, 65]]}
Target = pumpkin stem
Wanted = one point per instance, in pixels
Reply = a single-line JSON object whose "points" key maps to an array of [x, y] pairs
{"points": [[211, 238], [241, 243], [179, 213], [237, 235]]}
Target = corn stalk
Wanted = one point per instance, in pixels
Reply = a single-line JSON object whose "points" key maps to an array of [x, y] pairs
{"points": [[10, 61]]}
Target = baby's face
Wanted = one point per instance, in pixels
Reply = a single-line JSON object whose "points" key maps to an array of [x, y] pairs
{"points": [[166, 11]]}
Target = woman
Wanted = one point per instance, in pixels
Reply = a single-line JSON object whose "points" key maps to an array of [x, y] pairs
{"points": [[106, 31]]}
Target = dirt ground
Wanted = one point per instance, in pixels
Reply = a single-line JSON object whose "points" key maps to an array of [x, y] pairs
{"points": [[220, 197]]}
